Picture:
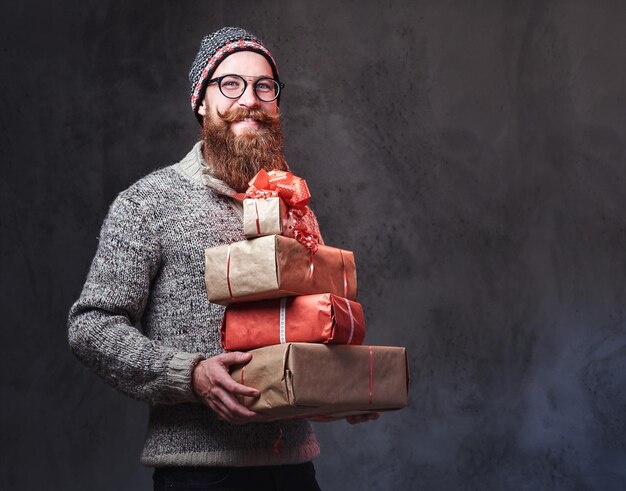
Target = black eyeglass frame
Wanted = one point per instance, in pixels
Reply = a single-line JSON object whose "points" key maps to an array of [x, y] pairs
{"points": [[280, 86]]}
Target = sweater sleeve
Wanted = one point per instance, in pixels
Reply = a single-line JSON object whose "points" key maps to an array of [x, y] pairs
{"points": [[102, 324]]}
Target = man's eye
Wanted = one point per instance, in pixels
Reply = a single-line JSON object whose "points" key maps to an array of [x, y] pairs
{"points": [[264, 86], [231, 84]]}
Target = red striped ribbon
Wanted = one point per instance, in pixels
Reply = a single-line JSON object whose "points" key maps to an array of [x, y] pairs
{"points": [[345, 276], [258, 225], [230, 291]]}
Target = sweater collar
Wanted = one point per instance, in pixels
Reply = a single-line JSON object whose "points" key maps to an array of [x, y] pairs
{"points": [[195, 168]]}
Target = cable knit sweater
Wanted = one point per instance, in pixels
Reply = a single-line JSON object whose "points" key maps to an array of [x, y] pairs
{"points": [[143, 320]]}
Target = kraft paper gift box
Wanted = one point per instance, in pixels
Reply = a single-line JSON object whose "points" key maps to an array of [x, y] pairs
{"points": [[308, 380], [274, 267], [323, 318], [264, 216]]}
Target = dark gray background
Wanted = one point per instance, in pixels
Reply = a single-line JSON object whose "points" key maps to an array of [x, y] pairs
{"points": [[470, 153]]}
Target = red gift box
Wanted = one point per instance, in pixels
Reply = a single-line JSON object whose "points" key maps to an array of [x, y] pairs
{"points": [[323, 318]]}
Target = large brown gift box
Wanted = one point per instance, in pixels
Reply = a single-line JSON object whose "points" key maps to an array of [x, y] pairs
{"points": [[264, 216], [324, 318], [276, 266], [308, 380]]}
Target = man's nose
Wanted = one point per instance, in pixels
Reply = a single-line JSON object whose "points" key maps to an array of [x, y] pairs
{"points": [[249, 98]]}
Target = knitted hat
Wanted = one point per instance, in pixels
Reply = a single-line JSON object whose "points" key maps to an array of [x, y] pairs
{"points": [[213, 49]]}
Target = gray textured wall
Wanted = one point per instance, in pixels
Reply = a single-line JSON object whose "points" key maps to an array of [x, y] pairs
{"points": [[470, 153]]}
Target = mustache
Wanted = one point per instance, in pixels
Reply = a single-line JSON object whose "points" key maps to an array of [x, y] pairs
{"points": [[242, 113]]}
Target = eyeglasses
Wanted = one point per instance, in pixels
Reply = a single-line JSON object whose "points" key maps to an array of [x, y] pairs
{"points": [[233, 86]]}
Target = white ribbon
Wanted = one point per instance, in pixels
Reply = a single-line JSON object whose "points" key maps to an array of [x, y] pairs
{"points": [[283, 303], [351, 321]]}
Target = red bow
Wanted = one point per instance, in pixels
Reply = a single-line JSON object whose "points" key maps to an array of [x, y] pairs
{"points": [[294, 192], [291, 189]]}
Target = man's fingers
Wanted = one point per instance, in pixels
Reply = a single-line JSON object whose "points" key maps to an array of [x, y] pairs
{"points": [[225, 415], [234, 358], [224, 380], [238, 410], [219, 409], [235, 388], [214, 385], [230, 408], [232, 405]]}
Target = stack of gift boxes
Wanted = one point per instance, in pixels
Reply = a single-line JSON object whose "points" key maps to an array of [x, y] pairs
{"points": [[292, 302]]}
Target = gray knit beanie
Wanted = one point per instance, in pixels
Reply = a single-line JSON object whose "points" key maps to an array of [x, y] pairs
{"points": [[213, 49]]}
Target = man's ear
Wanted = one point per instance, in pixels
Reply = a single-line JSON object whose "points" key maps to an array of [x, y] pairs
{"points": [[202, 108]]}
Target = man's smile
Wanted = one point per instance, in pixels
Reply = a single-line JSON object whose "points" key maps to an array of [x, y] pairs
{"points": [[246, 123]]}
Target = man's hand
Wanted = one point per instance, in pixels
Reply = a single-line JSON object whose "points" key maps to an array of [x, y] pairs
{"points": [[214, 386], [362, 418]]}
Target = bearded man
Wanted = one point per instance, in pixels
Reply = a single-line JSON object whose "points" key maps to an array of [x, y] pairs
{"points": [[143, 321]]}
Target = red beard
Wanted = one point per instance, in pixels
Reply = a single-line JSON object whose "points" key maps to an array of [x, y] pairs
{"points": [[235, 159]]}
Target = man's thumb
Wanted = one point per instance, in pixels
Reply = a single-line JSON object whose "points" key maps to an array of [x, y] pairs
{"points": [[236, 357]]}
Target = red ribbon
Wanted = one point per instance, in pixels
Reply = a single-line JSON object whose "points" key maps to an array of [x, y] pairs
{"points": [[291, 189], [258, 223], [276, 447], [230, 291], [294, 192], [345, 276], [301, 232]]}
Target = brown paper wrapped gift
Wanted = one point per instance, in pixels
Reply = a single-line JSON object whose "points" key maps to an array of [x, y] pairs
{"points": [[322, 318], [264, 216], [276, 266], [308, 380]]}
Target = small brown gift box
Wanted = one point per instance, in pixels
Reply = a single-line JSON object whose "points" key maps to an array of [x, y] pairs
{"points": [[264, 216], [307, 380], [323, 318], [276, 266]]}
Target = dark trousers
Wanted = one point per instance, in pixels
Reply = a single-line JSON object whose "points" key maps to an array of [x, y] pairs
{"points": [[299, 477]]}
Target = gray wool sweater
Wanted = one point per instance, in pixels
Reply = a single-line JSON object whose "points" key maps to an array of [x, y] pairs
{"points": [[143, 320]]}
